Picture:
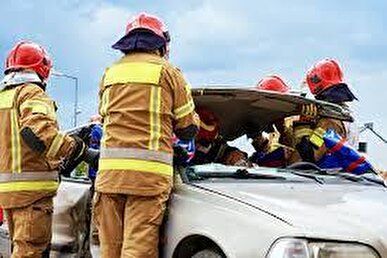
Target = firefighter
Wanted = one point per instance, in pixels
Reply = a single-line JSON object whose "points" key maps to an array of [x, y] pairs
{"points": [[273, 147], [31, 149], [94, 143], [211, 147], [326, 82], [143, 101]]}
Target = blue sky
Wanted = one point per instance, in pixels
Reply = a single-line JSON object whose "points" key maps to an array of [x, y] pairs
{"points": [[214, 42]]}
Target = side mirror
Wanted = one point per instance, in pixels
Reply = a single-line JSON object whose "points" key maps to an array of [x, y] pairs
{"points": [[362, 147]]}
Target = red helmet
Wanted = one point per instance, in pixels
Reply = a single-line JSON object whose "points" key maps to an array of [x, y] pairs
{"points": [[209, 125], [29, 55], [273, 83], [148, 22], [323, 75]]}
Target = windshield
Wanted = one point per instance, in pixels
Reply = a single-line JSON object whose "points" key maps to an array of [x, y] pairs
{"points": [[297, 172], [217, 172]]}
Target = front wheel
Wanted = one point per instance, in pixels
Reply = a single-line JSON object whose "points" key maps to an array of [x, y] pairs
{"points": [[208, 253]]}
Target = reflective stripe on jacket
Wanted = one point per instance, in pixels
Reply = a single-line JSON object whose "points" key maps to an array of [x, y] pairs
{"points": [[143, 100], [25, 174], [312, 130]]}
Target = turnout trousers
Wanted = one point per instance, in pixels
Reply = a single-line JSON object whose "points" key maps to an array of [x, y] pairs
{"points": [[30, 229], [128, 225]]}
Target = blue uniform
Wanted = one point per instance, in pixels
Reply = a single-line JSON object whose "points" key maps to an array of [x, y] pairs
{"points": [[274, 159], [188, 147], [341, 155], [95, 143]]}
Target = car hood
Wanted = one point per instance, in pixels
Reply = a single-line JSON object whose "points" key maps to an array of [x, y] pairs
{"points": [[338, 211]]}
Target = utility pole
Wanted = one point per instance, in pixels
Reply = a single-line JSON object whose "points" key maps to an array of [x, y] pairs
{"points": [[72, 77]]}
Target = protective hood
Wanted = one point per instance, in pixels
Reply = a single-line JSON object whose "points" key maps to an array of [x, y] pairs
{"points": [[20, 77], [337, 94], [139, 39]]}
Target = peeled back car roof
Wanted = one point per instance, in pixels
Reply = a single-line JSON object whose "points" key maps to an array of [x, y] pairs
{"points": [[238, 110]]}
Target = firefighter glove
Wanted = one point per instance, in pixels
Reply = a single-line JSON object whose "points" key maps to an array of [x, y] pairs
{"points": [[309, 110], [91, 156]]}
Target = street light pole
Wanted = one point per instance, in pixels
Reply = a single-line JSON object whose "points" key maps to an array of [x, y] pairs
{"points": [[370, 126], [76, 112], [76, 103]]}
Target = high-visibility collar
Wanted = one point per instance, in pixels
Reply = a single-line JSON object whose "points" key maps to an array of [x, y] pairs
{"points": [[21, 77]]}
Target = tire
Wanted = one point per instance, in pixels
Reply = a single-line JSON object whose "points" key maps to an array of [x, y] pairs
{"points": [[208, 253]]}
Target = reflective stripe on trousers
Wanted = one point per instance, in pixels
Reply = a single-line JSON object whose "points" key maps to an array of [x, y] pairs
{"points": [[136, 159]]}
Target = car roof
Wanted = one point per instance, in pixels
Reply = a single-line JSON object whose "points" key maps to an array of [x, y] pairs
{"points": [[241, 110]]}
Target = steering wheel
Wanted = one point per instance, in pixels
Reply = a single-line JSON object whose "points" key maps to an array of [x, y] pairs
{"points": [[302, 165]]}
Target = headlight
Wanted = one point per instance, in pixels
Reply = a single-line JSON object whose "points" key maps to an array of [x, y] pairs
{"points": [[301, 248]]}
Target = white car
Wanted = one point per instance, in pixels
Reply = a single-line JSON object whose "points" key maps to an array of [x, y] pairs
{"points": [[236, 212]]}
